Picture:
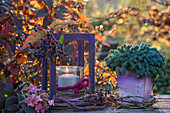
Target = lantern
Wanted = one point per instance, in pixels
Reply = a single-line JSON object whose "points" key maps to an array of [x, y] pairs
{"points": [[80, 38]]}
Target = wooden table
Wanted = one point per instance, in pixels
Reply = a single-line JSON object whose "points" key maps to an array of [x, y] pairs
{"points": [[161, 106]]}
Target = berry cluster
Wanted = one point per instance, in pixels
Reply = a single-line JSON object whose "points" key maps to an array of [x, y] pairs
{"points": [[99, 97], [48, 47]]}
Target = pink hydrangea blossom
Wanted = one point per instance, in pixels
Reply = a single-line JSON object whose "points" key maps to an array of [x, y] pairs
{"points": [[38, 107], [42, 110], [26, 100], [38, 99], [33, 88], [46, 106], [33, 101]]}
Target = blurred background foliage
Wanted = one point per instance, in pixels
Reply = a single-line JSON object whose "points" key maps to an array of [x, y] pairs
{"points": [[133, 22]]}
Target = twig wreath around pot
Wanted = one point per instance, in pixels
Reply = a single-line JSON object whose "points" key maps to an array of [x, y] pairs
{"points": [[136, 67]]}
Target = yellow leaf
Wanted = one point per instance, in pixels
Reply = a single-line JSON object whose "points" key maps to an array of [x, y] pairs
{"points": [[120, 21], [156, 29], [78, 0], [124, 15], [86, 70]]}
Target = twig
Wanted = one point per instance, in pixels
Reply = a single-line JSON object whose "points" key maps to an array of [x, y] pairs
{"points": [[165, 3], [81, 108]]}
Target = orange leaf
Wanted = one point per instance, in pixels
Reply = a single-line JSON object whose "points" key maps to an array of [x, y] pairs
{"points": [[83, 18], [90, 27], [99, 38], [86, 70], [21, 58], [113, 80]]}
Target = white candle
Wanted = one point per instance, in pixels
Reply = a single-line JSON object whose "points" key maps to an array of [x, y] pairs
{"points": [[67, 80]]}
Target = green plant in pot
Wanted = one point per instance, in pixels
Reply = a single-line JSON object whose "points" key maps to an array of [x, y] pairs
{"points": [[136, 67]]}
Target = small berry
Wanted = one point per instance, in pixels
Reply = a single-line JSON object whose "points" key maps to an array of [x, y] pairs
{"points": [[90, 97], [61, 52]]}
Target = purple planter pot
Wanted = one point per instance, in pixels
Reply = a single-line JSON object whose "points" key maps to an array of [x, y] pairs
{"points": [[129, 85]]}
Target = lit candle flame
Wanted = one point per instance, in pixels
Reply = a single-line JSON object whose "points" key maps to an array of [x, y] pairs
{"points": [[67, 69]]}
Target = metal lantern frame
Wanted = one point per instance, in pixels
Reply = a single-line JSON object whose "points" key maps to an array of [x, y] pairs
{"points": [[80, 38]]}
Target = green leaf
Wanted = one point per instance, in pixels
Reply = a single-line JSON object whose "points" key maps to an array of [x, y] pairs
{"points": [[2, 14], [10, 101], [13, 108], [8, 2], [34, 74], [19, 26], [111, 51], [46, 21], [37, 77], [61, 41], [5, 6], [42, 13], [2, 86], [68, 49], [49, 3], [118, 71], [22, 87], [60, 10], [123, 71], [112, 65], [2, 101], [20, 97], [28, 109], [132, 63], [137, 76], [72, 59], [9, 88], [7, 72], [6, 94]]}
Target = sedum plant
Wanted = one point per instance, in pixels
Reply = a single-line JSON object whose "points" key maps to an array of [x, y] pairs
{"points": [[142, 59]]}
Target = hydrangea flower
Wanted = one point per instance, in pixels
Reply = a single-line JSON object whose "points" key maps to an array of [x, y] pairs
{"points": [[38, 107], [39, 99], [31, 101], [33, 88]]}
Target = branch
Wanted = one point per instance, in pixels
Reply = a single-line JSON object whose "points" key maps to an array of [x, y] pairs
{"points": [[164, 2], [113, 15]]}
